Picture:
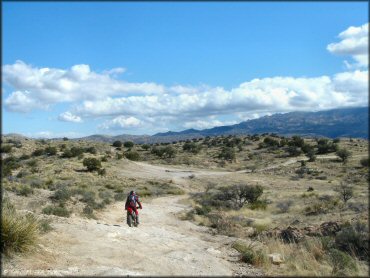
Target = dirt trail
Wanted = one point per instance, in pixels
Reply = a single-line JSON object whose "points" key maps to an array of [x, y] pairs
{"points": [[161, 245]]}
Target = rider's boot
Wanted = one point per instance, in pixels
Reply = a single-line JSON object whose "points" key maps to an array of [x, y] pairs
{"points": [[137, 219]]}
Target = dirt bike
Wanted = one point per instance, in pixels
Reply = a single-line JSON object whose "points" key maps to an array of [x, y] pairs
{"points": [[131, 217]]}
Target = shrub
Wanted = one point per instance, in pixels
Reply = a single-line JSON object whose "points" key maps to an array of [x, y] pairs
{"points": [[128, 144], [249, 254], [132, 155], [345, 191], [364, 162], [38, 152], [119, 156], [258, 205], [91, 150], [6, 148], [145, 147], [44, 225], [343, 264], [284, 206], [354, 240], [227, 153], [117, 144], [58, 211], [92, 164], [120, 196], [191, 147], [343, 154], [240, 194], [18, 233], [88, 211], [88, 197], [61, 195], [24, 190], [50, 151], [102, 172], [294, 151]]}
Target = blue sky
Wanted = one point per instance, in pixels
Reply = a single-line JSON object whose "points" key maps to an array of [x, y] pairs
{"points": [[77, 69]]}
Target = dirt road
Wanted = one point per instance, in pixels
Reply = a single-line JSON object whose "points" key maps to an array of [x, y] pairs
{"points": [[161, 245]]}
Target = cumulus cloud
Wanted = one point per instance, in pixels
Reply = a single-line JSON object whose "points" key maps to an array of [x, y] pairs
{"points": [[121, 122], [354, 43], [69, 117], [47, 86]]}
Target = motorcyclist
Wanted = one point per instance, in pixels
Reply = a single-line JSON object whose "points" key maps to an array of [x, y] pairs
{"points": [[131, 201]]}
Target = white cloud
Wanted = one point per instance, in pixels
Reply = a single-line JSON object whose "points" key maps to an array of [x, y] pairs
{"points": [[51, 134], [69, 117], [121, 122], [354, 43], [202, 124], [23, 102], [47, 86]]}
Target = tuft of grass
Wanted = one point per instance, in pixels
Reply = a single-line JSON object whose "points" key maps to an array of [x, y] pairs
{"points": [[19, 233], [58, 211]]}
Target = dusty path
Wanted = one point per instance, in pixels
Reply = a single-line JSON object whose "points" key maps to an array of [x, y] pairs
{"points": [[161, 245]]}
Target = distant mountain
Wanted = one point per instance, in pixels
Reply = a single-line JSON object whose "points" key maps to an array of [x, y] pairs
{"points": [[345, 122]]}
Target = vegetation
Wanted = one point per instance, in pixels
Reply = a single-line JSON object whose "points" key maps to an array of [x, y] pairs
{"points": [[92, 164]]}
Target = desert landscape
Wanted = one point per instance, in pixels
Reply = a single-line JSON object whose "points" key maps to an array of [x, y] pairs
{"points": [[226, 205]]}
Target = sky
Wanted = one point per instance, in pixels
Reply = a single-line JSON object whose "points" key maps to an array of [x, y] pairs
{"points": [[76, 69]]}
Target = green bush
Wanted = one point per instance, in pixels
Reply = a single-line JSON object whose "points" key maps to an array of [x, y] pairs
{"points": [[24, 190], [102, 172], [258, 205], [88, 211], [132, 155], [58, 211], [18, 233], [6, 148], [61, 195], [38, 152], [128, 144], [227, 153], [343, 154], [44, 225], [92, 164], [343, 264], [50, 151], [117, 144], [249, 254], [91, 150], [191, 147]]}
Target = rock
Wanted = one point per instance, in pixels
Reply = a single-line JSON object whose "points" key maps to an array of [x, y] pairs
{"points": [[276, 258], [312, 231], [291, 234], [329, 228]]}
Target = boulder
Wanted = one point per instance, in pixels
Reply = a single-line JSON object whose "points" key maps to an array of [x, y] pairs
{"points": [[291, 234], [329, 228], [276, 258]]}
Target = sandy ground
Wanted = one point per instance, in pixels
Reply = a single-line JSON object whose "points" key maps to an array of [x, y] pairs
{"points": [[161, 245]]}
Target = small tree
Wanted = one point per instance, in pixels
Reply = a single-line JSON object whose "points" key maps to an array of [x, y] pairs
{"points": [[227, 153], [242, 193], [128, 144], [345, 191], [117, 144], [145, 147], [132, 155], [343, 154], [92, 164]]}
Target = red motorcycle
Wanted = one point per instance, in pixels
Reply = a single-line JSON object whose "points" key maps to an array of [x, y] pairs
{"points": [[132, 217]]}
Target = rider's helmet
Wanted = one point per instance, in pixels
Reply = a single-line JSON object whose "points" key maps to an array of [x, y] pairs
{"points": [[132, 192]]}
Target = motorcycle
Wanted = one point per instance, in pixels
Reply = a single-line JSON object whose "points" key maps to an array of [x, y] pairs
{"points": [[131, 217]]}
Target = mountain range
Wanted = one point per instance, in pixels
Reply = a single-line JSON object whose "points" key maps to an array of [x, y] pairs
{"points": [[344, 122]]}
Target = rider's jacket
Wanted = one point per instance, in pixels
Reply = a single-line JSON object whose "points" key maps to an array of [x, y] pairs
{"points": [[131, 201]]}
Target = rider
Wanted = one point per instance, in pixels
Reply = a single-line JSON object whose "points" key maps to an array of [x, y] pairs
{"points": [[131, 201]]}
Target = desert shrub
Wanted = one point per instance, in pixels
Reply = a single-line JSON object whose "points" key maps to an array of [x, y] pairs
{"points": [[61, 195], [119, 156], [24, 190], [92, 164], [36, 183], [38, 152], [117, 144], [88, 211], [145, 147], [73, 152], [191, 147], [19, 233], [91, 150], [8, 165], [343, 154], [354, 240], [324, 146], [249, 254], [132, 155], [88, 197], [128, 144], [104, 158], [164, 152], [240, 194], [294, 151], [227, 153], [202, 210], [6, 148], [345, 191], [44, 225], [365, 162], [284, 206], [120, 196], [320, 206], [258, 205], [296, 141], [102, 172], [56, 210], [50, 151], [343, 264], [24, 157]]}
